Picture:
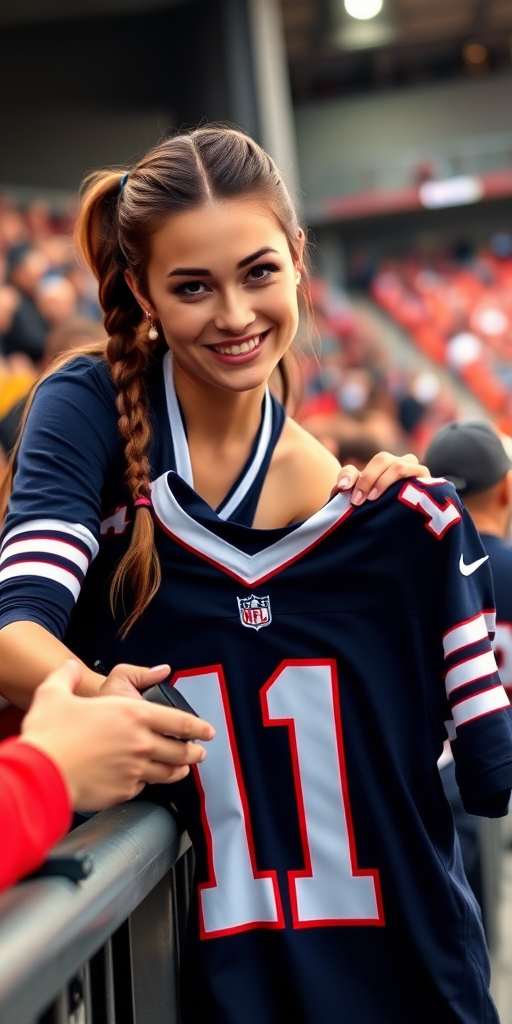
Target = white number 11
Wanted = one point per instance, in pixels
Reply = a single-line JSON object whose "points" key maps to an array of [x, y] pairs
{"points": [[330, 889]]}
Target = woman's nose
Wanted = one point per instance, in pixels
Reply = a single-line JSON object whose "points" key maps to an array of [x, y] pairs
{"points": [[234, 313]]}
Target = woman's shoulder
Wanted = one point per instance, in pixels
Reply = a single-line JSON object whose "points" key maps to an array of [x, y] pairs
{"points": [[92, 372], [302, 473]]}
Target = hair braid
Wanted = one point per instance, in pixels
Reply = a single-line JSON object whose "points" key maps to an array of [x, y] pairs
{"points": [[140, 567], [127, 353]]}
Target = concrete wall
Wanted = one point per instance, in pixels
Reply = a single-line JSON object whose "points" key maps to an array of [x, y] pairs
{"points": [[375, 141]]}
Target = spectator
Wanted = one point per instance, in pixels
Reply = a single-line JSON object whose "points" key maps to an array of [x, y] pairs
{"points": [[55, 299], [87, 754], [26, 266]]}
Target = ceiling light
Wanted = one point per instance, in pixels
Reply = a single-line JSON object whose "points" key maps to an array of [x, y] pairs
{"points": [[363, 10], [475, 53]]}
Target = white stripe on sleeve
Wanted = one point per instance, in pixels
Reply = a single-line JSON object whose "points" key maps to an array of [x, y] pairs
{"points": [[480, 704], [467, 633], [45, 570], [47, 546], [470, 670]]}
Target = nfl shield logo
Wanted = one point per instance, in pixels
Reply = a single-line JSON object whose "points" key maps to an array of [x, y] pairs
{"points": [[254, 611]]}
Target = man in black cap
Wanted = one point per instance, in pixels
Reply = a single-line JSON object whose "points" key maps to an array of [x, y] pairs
{"points": [[473, 457]]}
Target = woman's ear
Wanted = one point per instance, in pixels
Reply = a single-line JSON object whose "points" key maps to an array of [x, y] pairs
{"points": [[144, 304]]}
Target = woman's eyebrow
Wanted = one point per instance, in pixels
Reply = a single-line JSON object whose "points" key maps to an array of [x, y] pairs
{"points": [[254, 256], [202, 272]]}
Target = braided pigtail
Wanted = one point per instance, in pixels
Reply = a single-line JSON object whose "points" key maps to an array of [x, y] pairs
{"points": [[127, 353], [140, 566]]}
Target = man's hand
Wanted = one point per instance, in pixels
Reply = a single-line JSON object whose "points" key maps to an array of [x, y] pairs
{"points": [[107, 748]]}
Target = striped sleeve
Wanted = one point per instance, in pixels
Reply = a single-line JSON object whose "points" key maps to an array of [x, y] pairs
{"points": [[50, 549], [68, 454], [479, 718]]}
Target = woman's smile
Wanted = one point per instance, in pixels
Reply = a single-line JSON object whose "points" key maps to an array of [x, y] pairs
{"points": [[222, 284]]}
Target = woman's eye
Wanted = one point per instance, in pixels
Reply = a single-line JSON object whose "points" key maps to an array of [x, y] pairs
{"points": [[191, 288], [262, 272]]}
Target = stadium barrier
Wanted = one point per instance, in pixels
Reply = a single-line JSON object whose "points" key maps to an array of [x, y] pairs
{"points": [[104, 949]]}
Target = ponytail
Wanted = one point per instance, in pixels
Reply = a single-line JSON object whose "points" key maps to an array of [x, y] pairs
{"points": [[127, 352]]}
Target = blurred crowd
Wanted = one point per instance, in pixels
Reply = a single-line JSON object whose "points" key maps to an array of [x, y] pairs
{"points": [[356, 401], [47, 302], [457, 307], [353, 400]]}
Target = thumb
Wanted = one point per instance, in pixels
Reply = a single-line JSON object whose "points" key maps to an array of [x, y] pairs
{"points": [[66, 678]]}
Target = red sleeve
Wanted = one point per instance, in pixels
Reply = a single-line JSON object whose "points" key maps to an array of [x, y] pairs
{"points": [[35, 809]]}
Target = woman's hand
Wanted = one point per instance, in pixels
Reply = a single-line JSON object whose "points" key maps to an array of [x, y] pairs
{"points": [[384, 469], [128, 680]]}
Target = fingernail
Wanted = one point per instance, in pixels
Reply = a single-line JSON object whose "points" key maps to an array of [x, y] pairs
{"points": [[373, 494], [358, 497], [158, 668], [344, 483]]}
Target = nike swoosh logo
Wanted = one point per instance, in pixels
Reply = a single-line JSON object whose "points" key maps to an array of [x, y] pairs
{"points": [[466, 570]]}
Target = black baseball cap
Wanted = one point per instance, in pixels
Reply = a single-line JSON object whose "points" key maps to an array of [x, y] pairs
{"points": [[470, 455]]}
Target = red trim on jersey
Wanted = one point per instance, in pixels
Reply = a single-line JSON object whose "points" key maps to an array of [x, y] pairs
{"points": [[465, 622], [419, 508], [212, 882], [307, 871], [267, 576], [474, 679]]}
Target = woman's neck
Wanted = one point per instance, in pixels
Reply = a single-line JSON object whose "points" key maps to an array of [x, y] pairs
{"points": [[216, 416], [221, 430]]}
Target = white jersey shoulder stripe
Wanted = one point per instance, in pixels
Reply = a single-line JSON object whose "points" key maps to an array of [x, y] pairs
{"points": [[76, 530], [464, 634], [469, 671], [179, 437], [480, 704], [181, 449], [248, 569], [255, 466], [44, 570]]}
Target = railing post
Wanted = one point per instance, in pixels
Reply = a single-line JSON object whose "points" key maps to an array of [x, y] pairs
{"points": [[153, 958]]}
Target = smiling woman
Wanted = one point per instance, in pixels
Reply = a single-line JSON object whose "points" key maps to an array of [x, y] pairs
{"points": [[165, 507]]}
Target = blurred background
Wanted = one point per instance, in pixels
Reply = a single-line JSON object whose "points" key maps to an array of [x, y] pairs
{"points": [[391, 121]]}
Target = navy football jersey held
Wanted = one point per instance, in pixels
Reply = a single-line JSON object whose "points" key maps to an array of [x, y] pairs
{"points": [[333, 659]]}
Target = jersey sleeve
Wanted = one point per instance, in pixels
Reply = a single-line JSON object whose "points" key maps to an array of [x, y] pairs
{"points": [[479, 722], [53, 522]]}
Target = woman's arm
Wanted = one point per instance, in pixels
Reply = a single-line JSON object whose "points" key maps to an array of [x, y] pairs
{"points": [[52, 528], [28, 653]]}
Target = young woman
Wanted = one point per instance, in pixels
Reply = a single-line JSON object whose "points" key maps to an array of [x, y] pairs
{"points": [[327, 880]]}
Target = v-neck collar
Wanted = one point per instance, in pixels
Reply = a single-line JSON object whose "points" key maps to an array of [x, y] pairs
{"points": [[289, 544]]}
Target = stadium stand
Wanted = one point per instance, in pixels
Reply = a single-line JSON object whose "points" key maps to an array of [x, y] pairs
{"points": [[458, 312]]}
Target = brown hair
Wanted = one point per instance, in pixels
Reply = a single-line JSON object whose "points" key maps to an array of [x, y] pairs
{"points": [[118, 216]]}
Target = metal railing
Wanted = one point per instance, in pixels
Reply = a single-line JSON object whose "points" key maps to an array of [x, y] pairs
{"points": [[104, 950]]}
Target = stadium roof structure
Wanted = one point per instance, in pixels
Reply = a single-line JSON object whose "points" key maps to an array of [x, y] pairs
{"points": [[409, 42]]}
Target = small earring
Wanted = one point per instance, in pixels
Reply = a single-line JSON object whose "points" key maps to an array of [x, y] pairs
{"points": [[152, 333]]}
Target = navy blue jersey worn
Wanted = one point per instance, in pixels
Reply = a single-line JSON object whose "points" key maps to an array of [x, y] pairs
{"points": [[333, 659], [500, 560], [69, 489]]}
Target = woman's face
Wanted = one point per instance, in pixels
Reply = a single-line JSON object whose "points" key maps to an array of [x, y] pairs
{"points": [[222, 283]]}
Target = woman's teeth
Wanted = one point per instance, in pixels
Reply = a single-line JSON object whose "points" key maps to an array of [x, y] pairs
{"points": [[238, 350]]}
